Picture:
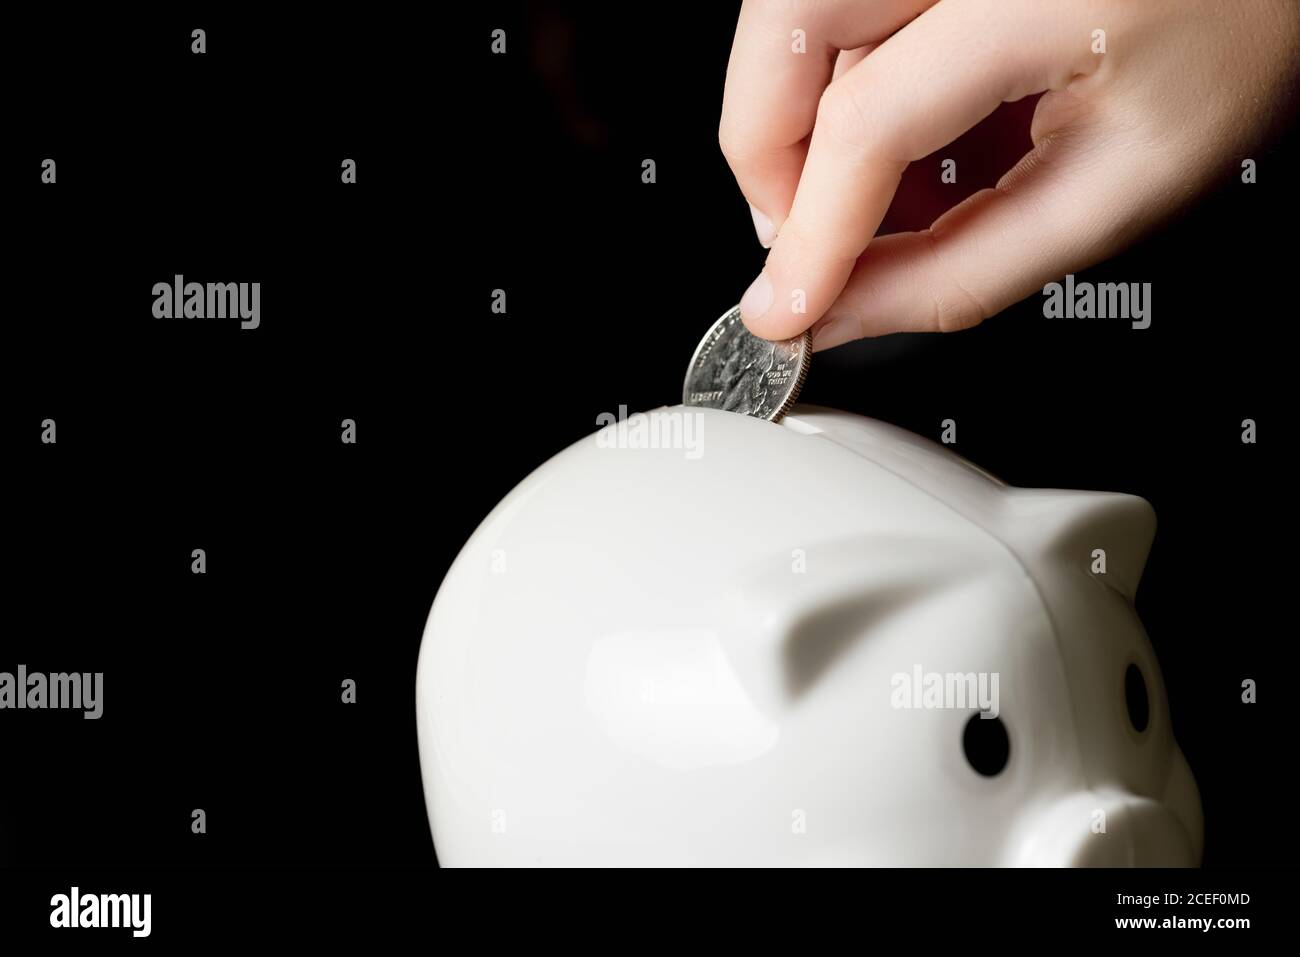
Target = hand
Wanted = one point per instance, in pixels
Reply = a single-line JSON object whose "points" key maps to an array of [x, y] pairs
{"points": [[818, 141]]}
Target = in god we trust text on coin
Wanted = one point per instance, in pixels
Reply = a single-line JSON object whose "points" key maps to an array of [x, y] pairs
{"points": [[736, 371]]}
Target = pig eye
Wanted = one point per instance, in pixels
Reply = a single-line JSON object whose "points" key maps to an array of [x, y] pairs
{"points": [[1135, 697], [986, 745]]}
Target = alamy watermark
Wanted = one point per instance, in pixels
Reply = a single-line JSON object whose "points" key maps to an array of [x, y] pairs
{"points": [[657, 429], [962, 691], [214, 300], [1105, 300], [76, 909], [36, 690]]}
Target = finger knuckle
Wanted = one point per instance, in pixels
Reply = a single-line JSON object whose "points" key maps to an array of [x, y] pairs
{"points": [[726, 139], [840, 115], [954, 306], [734, 144]]}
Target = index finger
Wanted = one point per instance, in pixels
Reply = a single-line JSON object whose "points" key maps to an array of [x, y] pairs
{"points": [[782, 58]]}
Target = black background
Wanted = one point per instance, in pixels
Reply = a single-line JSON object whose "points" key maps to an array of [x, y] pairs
{"points": [[477, 172]]}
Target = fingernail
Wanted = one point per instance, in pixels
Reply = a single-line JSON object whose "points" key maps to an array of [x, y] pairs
{"points": [[763, 226], [757, 298], [836, 332]]}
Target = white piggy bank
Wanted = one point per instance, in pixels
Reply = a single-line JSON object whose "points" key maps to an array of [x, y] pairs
{"points": [[820, 642]]}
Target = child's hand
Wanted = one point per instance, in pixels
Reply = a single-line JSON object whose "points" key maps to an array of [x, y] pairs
{"points": [[1123, 137]]}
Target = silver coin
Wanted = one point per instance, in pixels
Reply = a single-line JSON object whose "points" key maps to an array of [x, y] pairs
{"points": [[736, 371]]}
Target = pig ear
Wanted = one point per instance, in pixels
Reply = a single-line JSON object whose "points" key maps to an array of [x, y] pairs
{"points": [[1073, 526], [792, 630]]}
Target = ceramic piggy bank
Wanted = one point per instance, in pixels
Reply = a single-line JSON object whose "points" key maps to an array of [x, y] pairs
{"points": [[698, 638]]}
